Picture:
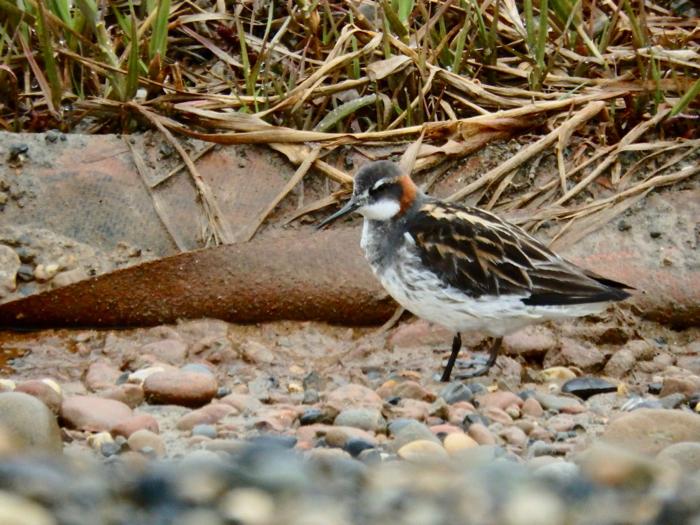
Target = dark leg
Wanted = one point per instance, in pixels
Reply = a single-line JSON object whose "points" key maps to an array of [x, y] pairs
{"points": [[456, 345], [493, 355]]}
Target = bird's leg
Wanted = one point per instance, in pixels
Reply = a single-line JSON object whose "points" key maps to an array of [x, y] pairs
{"points": [[456, 346], [493, 355]]}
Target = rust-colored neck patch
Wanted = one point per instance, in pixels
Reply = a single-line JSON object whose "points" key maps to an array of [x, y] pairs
{"points": [[408, 195]]}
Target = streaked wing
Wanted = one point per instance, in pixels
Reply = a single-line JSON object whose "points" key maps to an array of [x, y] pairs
{"points": [[478, 253]]}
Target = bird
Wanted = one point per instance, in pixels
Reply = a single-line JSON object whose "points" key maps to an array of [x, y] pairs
{"points": [[464, 267]]}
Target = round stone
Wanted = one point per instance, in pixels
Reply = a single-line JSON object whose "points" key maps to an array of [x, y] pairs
{"points": [[179, 388], [94, 414], [422, 450], [456, 442], [28, 423]]}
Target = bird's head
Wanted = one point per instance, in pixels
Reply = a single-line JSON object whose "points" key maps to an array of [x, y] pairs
{"points": [[381, 192]]}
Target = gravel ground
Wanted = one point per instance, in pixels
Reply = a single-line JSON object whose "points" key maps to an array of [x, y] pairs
{"points": [[592, 421]]}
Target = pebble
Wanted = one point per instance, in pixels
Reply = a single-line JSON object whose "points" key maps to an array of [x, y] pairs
{"points": [[579, 354], [135, 423], [313, 415], [406, 390], [355, 446], [128, 393], [422, 450], [15, 510], [514, 436], [100, 438], [481, 434], [533, 506], [454, 392], [198, 368], [618, 466], [557, 374], [244, 403], [500, 399], [42, 391], [27, 423], [170, 351], [249, 506], [140, 376], [620, 363], [69, 277], [408, 430], [456, 442], [680, 384], [649, 431], [180, 388], [569, 405], [587, 386], [498, 415], [532, 407], [205, 430], [339, 436], [145, 439], [207, 415], [686, 455], [93, 414], [9, 266], [256, 353], [45, 272], [365, 418], [101, 375], [532, 341], [353, 395]]}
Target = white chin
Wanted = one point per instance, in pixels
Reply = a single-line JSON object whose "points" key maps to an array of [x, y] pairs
{"points": [[380, 211]]}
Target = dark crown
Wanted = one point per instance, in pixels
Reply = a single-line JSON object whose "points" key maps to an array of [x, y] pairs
{"points": [[368, 175]]}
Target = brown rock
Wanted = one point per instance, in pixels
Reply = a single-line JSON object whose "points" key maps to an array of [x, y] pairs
{"points": [[353, 396], [582, 355], [498, 415], [338, 436], [244, 403], [514, 436], [206, 415], [422, 450], [42, 391], [532, 341], [690, 363], [532, 407], [128, 393], [9, 265], [686, 455], [411, 409], [180, 388], [134, 423], [620, 363], [500, 399], [481, 434], [69, 277], [686, 384], [456, 442], [94, 414], [145, 439], [561, 423], [419, 333], [170, 351], [446, 428], [27, 424], [650, 430], [413, 390], [256, 353], [101, 375]]}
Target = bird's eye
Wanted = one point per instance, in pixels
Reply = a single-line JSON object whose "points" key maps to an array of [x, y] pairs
{"points": [[379, 189]]}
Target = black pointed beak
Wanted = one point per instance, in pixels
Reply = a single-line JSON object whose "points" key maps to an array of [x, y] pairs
{"points": [[350, 207]]}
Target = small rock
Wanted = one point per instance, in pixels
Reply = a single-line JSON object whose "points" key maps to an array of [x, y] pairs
{"points": [[101, 375], [45, 272], [244, 403], [205, 430], [69, 277], [170, 351], [206, 415], [481, 434], [532, 407], [256, 353], [179, 388], [620, 363], [128, 393], [530, 505], [28, 424], [140, 376], [454, 392], [456, 442], [587, 386], [9, 266], [514, 436], [250, 506], [581, 355], [419, 333], [94, 414], [339, 436], [556, 374], [532, 341], [355, 396], [498, 415], [42, 391], [97, 440], [355, 446], [565, 404], [499, 399], [313, 415], [685, 454], [365, 418], [618, 466], [677, 384], [412, 390], [408, 430], [15, 510], [649, 431], [421, 451], [135, 423], [145, 439]]}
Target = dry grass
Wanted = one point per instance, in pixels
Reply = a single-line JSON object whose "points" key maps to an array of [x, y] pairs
{"points": [[622, 76]]}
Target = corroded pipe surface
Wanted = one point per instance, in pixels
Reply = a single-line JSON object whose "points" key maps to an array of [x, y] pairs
{"points": [[319, 276]]}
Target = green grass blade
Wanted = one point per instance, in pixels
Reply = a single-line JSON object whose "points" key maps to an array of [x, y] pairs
{"points": [[344, 110], [50, 66], [686, 99], [159, 37], [132, 76]]}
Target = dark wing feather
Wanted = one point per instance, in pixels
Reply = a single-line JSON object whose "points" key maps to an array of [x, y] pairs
{"points": [[478, 253]]}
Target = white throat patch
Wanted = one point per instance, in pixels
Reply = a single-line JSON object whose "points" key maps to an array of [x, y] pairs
{"points": [[382, 210]]}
